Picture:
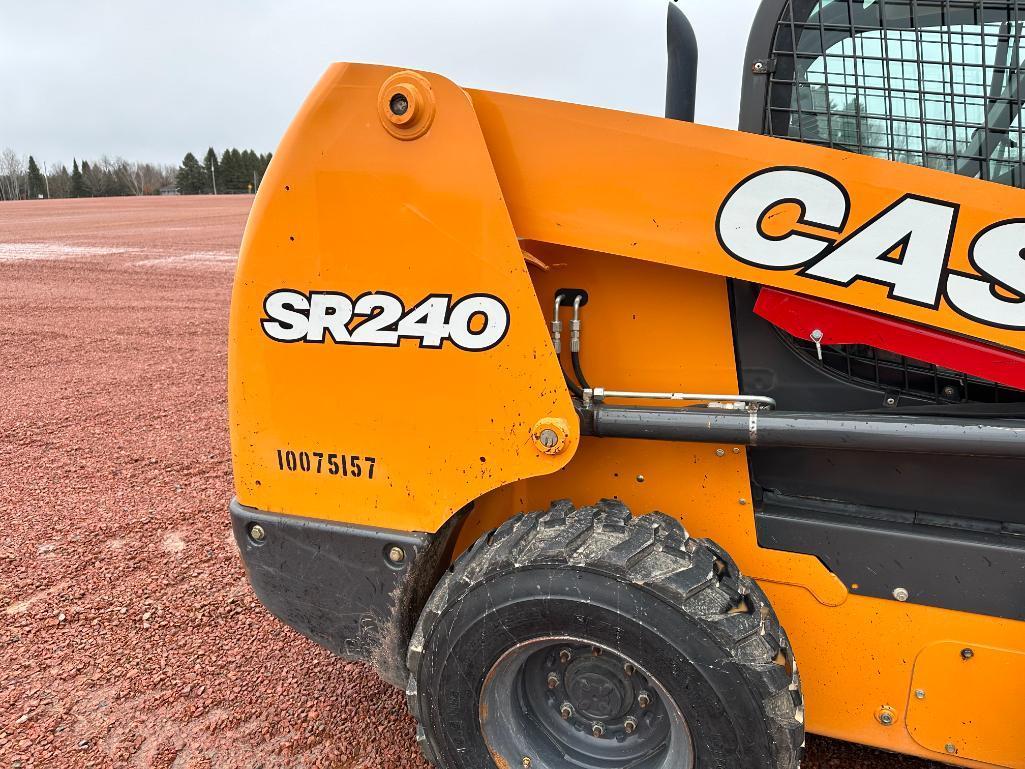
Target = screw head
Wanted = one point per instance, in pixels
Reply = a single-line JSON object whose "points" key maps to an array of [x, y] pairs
{"points": [[640, 479], [901, 594], [257, 533], [886, 718], [396, 554], [598, 729], [967, 654], [720, 452], [526, 762], [566, 711], [891, 401], [759, 66], [736, 449], [951, 748], [643, 699], [919, 694], [553, 680], [949, 391], [742, 501], [565, 656]]}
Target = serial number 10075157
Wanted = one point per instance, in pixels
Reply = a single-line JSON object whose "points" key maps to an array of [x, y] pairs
{"points": [[342, 465]]}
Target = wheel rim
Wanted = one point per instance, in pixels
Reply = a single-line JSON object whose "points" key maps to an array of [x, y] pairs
{"points": [[560, 701]]}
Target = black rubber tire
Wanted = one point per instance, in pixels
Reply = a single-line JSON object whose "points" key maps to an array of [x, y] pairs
{"points": [[677, 605]]}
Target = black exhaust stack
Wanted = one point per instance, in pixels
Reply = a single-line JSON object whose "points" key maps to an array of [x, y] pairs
{"points": [[682, 69]]}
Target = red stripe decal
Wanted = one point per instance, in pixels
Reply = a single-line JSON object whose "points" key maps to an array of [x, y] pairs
{"points": [[801, 316]]}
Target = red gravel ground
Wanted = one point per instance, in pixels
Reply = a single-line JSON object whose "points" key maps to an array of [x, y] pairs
{"points": [[128, 634]]}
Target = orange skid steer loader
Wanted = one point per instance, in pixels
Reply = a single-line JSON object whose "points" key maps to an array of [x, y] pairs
{"points": [[477, 339]]}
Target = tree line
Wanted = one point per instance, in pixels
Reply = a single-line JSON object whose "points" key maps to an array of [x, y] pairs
{"points": [[233, 172], [22, 178]]}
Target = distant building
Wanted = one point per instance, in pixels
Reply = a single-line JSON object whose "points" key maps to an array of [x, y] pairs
{"points": [[170, 189]]}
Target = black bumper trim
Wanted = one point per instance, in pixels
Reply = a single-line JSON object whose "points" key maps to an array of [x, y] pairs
{"points": [[334, 583]]}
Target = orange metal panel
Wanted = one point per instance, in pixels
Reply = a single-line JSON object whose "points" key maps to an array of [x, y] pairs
{"points": [[651, 189], [967, 701], [349, 207]]}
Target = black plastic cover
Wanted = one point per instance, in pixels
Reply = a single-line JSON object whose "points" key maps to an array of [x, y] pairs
{"points": [[335, 584]]}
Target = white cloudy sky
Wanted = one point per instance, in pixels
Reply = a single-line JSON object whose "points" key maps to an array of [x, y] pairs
{"points": [[151, 80]]}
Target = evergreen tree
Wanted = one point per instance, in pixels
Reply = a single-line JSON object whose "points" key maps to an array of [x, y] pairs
{"points": [[36, 182], [192, 177], [230, 172], [88, 182], [78, 189], [213, 171]]}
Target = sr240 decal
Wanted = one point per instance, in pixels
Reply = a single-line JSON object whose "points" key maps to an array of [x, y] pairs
{"points": [[475, 322], [906, 247]]}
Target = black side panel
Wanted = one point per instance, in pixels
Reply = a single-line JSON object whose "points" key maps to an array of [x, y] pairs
{"points": [[334, 583], [682, 68], [972, 487], [961, 570]]}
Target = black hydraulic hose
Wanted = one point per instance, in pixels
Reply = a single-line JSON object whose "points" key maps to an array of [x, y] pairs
{"points": [[579, 371], [573, 386]]}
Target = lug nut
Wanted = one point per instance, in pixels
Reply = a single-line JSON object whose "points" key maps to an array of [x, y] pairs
{"points": [[566, 711], [628, 669], [596, 651], [565, 656], [598, 729], [643, 699], [553, 680], [257, 533], [630, 725], [396, 554]]}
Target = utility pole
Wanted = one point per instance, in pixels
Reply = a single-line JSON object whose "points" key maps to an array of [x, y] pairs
{"points": [[46, 180], [213, 176]]}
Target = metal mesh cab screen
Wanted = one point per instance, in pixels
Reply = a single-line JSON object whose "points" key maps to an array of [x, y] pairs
{"points": [[936, 83]]}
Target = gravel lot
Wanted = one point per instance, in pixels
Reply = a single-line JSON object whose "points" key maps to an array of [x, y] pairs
{"points": [[128, 634]]}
